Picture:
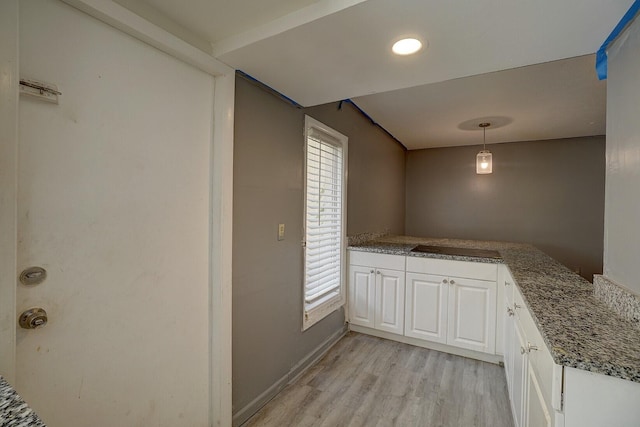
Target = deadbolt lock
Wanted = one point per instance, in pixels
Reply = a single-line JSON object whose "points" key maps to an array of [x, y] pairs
{"points": [[33, 318], [33, 276]]}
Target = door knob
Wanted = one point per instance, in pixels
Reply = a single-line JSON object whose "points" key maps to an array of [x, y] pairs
{"points": [[33, 318]]}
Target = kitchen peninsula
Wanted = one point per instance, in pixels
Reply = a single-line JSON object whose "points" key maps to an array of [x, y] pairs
{"points": [[549, 329]]}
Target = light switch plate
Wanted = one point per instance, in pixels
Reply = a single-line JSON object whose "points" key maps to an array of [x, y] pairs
{"points": [[280, 231]]}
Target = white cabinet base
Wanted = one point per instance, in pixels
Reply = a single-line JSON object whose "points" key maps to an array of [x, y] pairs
{"points": [[485, 357], [598, 400]]}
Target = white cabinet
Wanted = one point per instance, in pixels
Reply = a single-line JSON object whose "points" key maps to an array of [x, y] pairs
{"points": [[528, 364], [537, 409], [389, 312], [518, 376], [426, 307], [362, 289], [508, 328], [376, 291], [451, 308], [472, 314]]}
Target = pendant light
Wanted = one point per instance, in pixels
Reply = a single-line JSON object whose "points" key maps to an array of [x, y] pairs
{"points": [[483, 159]]}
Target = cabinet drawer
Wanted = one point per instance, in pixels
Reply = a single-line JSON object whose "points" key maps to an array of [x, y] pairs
{"points": [[370, 259], [445, 267]]}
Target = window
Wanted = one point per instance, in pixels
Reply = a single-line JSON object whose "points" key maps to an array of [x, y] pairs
{"points": [[324, 222]]}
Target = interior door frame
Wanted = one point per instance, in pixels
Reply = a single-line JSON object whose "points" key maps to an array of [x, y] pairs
{"points": [[8, 184], [220, 185]]}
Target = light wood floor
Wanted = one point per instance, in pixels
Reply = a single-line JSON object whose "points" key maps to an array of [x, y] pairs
{"points": [[368, 381]]}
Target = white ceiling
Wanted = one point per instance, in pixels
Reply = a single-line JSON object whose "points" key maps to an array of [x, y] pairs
{"points": [[318, 51], [560, 99]]}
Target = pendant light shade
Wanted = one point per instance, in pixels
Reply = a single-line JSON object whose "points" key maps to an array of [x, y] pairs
{"points": [[483, 162], [484, 159]]}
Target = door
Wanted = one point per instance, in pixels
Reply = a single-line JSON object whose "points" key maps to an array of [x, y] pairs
{"points": [[362, 293], [389, 315], [114, 203], [426, 307], [472, 314]]}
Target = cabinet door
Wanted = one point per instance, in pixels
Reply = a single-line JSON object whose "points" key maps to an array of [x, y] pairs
{"points": [[472, 314], [389, 314], [518, 382], [362, 295], [426, 307], [536, 412], [508, 339]]}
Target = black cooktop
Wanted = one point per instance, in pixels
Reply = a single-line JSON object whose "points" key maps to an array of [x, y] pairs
{"points": [[447, 250]]}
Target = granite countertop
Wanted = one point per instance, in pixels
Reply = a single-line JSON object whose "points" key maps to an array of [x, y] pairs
{"points": [[579, 330], [14, 412]]}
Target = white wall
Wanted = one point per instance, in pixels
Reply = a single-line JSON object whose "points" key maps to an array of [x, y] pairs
{"points": [[114, 199], [622, 199]]}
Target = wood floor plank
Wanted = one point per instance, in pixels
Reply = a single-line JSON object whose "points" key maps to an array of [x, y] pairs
{"points": [[365, 381]]}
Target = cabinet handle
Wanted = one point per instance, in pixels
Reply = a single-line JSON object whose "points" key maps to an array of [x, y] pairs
{"points": [[507, 283], [452, 282], [445, 281], [510, 311], [531, 347], [516, 306], [522, 350]]}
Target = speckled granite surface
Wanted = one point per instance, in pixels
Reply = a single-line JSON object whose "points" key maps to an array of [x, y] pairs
{"points": [[14, 412], [619, 299], [579, 329], [358, 239]]}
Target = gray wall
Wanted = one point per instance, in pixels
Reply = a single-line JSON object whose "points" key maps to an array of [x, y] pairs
{"points": [[548, 193], [268, 190], [376, 182]]}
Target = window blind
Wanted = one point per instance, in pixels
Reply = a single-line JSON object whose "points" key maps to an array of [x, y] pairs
{"points": [[324, 216]]}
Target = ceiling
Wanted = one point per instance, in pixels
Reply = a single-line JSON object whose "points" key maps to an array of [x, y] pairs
{"points": [[560, 99], [318, 51]]}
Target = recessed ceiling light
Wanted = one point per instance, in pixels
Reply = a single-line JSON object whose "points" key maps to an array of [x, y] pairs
{"points": [[406, 46]]}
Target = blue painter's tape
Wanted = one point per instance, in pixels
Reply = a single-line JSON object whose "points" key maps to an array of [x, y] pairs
{"points": [[373, 122], [601, 55], [269, 88]]}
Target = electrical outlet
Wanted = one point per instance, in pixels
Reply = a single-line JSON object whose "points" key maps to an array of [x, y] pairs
{"points": [[280, 231]]}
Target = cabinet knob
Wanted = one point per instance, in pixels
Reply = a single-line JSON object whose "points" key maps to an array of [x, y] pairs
{"points": [[445, 281], [373, 271], [452, 282], [510, 311], [378, 272], [507, 283], [516, 306], [522, 350]]}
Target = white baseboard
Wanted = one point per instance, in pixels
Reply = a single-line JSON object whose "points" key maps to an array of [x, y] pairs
{"points": [[485, 357], [242, 415]]}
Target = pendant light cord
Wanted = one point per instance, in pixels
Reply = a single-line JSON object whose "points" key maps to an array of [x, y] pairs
{"points": [[484, 138], [484, 127]]}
